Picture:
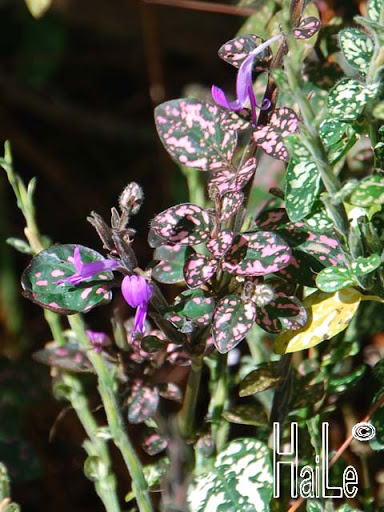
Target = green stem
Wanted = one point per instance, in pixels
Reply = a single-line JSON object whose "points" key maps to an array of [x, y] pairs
{"points": [[106, 386], [315, 146], [218, 401], [186, 415], [106, 484]]}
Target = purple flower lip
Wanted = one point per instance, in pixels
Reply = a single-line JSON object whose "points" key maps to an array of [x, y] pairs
{"points": [[87, 270], [98, 340], [137, 293], [244, 85]]}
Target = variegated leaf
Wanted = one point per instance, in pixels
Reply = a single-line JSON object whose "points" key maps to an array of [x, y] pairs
{"points": [[265, 376], [374, 9], [281, 313], [219, 246], [68, 357], [169, 270], [369, 191], [230, 203], [357, 47], [332, 279], [195, 306], [348, 99], [241, 480], [246, 414], [256, 254], [307, 28], [43, 281], [191, 131], [328, 314], [270, 138], [232, 320], [186, 224], [236, 50], [303, 185], [198, 269], [142, 403], [332, 131]]}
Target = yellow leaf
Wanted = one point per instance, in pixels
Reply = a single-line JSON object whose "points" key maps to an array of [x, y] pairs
{"points": [[38, 7], [328, 314]]}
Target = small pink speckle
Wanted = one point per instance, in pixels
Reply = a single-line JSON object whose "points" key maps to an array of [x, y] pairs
{"points": [[57, 273], [42, 282], [38, 274], [84, 294]]}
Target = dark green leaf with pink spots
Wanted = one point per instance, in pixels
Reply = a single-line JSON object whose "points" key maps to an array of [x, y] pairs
{"points": [[186, 224], [198, 269], [152, 442], [232, 320], [68, 357], [41, 281], [270, 138], [307, 28], [236, 50], [302, 269], [265, 376], [246, 414], [256, 254], [226, 180], [282, 313], [324, 247], [142, 402], [169, 270], [220, 245], [191, 131], [192, 306], [230, 204]]}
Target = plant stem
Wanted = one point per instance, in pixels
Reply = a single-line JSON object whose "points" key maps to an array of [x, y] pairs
{"points": [[106, 484], [315, 146], [218, 400], [186, 415], [106, 386]]}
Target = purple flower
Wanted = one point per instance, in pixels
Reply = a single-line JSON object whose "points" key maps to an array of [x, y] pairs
{"points": [[244, 85], [137, 293], [86, 270]]}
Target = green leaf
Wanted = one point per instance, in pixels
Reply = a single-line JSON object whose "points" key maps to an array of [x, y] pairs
{"points": [[265, 376], [363, 266], [42, 281], [357, 47], [369, 191], [246, 414], [342, 383], [241, 479], [374, 9], [332, 279]]}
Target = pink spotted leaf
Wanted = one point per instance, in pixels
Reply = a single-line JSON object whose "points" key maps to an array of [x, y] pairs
{"points": [[256, 254], [282, 313], [186, 224], [142, 402], [236, 50], [195, 307], [230, 204], [152, 442], [270, 138], [307, 28], [43, 281], [169, 269], [198, 269], [219, 246], [232, 320], [192, 132], [68, 357]]}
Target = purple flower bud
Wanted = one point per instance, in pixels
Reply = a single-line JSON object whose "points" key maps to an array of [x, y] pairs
{"points": [[137, 293], [244, 85], [87, 270], [98, 339]]}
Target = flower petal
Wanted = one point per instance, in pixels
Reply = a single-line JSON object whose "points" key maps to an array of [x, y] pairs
{"points": [[219, 97]]}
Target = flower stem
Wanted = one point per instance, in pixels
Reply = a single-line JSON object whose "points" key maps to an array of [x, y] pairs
{"points": [[218, 400], [186, 415], [106, 386]]}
